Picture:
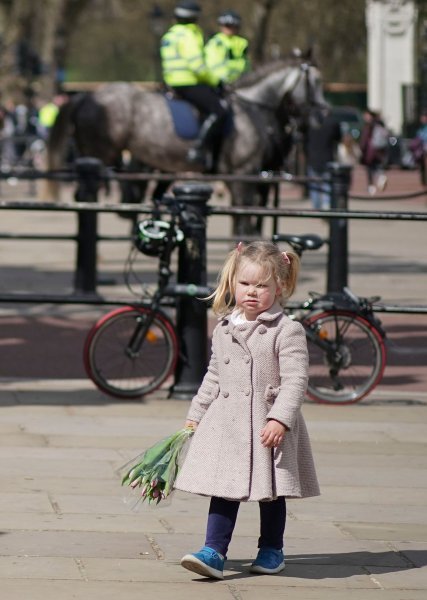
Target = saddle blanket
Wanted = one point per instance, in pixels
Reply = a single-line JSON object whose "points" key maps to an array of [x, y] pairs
{"points": [[185, 118]]}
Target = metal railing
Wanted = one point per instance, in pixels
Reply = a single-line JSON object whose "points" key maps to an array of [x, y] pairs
{"points": [[89, 175]]}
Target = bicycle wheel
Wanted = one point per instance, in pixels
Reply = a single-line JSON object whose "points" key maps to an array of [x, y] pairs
{"points": [[355, 364], [122, 373]]}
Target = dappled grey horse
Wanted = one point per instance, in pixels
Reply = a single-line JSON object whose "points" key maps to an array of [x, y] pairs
{"points": [[124, 116]]}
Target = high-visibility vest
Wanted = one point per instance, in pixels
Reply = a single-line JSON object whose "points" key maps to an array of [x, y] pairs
{"points": [[48, 114], [226, 56], [181, 51]]}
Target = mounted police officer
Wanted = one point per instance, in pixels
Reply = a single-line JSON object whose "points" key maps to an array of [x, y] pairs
{"points": [[226, 53], [185, 71]]}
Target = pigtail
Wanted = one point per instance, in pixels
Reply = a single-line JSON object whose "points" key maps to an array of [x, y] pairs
{"points": [[224, 297], [288, 275]]}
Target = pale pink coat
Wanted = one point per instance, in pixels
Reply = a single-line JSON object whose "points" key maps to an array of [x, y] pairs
{"points": [[258, 370]]}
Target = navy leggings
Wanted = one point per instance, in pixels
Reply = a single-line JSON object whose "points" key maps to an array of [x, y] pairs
{"points": [[222, 519]]}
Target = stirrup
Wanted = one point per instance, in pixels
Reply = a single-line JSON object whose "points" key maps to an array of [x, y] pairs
{"points": [[201, 157], [196, 155]]}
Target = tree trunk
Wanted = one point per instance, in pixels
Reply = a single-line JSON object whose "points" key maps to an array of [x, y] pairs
{"points": [[34, 35], [17, 17], [261, 17]]}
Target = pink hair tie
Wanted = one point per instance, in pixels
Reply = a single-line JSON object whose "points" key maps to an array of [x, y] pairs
{"points": [[286, 258], [239, 247]]}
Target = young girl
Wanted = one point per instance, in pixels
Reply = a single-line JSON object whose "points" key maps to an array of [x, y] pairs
{"points": [[251, 442]]}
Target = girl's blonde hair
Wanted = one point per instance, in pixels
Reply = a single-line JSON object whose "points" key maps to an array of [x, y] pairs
{"points": [[274, 264]]}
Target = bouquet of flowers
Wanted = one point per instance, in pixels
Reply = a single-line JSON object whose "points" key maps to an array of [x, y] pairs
{"points": [[155, 470]]}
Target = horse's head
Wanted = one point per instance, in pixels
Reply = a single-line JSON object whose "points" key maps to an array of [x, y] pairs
{"points": [[302, 89], [294, 85]]}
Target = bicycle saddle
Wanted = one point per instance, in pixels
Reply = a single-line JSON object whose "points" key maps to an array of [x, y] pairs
{"points": [[309, 241]]}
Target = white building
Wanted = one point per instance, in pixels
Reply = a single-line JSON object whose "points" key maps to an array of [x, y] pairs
{"points": [[391, 26]]}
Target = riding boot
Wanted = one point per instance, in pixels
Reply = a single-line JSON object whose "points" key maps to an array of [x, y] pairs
{"points": [[201, 152]]}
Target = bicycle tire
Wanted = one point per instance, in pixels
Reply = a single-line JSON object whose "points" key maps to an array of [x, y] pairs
{"points": [[111, 368], [363, 353]]}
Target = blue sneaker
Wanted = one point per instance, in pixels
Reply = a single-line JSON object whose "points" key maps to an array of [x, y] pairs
{"points": [[268, 561], [206, 562]]}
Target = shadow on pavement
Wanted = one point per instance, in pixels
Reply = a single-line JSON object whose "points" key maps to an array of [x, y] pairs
{"points": [[337, 566]]}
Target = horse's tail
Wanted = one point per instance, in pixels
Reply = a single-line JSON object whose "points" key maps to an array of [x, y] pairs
{"points": [[57, 143], [61, 131]]}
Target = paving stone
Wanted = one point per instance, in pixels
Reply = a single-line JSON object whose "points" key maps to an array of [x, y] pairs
{"points": [[130, 444], [13, 440], [315, 593], [326, 448], [59, 485], [127, 570], [35, 567], [407, 579], [353, 512], [111, 590], [48, 453], [373, 495], [378, 461], [25, 503], [76, 544], [307, 575], [387, 531], [60, 468], [79, 522], [372, 476], [415, 553]]}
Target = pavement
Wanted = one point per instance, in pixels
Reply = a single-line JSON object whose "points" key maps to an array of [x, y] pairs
{"points": [[66, 529]]}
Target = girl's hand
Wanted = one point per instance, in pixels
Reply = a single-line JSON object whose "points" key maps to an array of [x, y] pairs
{"points": [[272, 434], [192, 424]]}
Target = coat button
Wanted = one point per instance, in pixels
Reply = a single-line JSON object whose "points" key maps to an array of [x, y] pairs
{"points": [[247, 359], [226, 360], [226, 330], [225, 394], [247, 392], [262, 329]]}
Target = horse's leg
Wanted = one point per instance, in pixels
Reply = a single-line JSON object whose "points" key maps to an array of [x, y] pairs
{"points": [[263, 192], [243, 195], [160, 189]]}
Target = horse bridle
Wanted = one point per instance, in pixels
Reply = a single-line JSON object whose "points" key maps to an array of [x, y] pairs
{"points": [[304, 70], [311, 101]]}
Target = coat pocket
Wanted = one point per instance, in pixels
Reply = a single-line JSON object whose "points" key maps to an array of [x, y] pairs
{"points": [[271, 394]]}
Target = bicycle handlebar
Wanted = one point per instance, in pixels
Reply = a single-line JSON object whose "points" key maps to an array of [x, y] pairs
{"points": [[351, 295], [188, 289]]}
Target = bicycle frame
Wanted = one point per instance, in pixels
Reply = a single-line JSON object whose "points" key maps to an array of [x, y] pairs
{"points": [[164, 271]]}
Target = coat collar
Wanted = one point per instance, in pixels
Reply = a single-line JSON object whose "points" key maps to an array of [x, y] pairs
{"points": [[268, 315]]}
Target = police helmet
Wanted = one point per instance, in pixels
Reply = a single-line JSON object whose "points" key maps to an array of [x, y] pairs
{"points": [[152, 236], [229, 18], [187, 10]]}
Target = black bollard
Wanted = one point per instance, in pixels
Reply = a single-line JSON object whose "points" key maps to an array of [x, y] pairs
{"points": [[337, 278], [192, 319], [89, 171]]}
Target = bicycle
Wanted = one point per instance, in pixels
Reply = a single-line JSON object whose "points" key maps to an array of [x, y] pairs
{"points": [[347, 354], [132, 350]]}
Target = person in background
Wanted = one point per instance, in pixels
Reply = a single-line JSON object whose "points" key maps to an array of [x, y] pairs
{"points": [[322, 138], [26, 123], [7, 131], [348, 151], [226, 53], [185, 71], [373, 146], [418, 147], [48, 113]]}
